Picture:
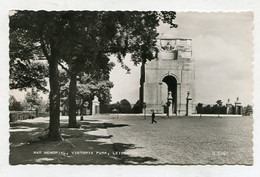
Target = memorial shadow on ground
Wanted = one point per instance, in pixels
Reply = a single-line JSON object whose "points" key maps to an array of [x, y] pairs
{"points": [[77, 147]]}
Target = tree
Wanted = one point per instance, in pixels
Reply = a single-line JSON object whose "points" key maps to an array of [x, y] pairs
{"points": [[89, 86], [136, 107], [114, 108], [88, 89], [33, 99], [200, 108], [14, 105], [24, 71], [219, 104], [27, 74], [125, 106], [248, 110], [36, 36], [96, 35], [83, 40]]}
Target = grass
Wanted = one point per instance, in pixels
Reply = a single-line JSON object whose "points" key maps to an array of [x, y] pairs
{"points": [[126, 139]]}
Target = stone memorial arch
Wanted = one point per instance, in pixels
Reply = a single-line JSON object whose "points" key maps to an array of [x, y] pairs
{"points": [[170, 78]]}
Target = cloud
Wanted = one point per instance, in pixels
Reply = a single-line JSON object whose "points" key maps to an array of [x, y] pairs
{"points": [[222, 70]]}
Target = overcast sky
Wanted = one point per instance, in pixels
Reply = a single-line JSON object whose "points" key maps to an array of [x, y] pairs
{"points": [[222, 50]]}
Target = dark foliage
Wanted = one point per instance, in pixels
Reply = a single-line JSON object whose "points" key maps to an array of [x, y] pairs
{"points": [[137, 107], [83, 40], [14, 105]]}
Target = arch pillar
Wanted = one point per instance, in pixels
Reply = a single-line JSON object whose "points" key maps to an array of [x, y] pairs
{"points": [[178, 99]]}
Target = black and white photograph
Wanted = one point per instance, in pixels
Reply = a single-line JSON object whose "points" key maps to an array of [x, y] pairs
{"points": [[131, 87]]}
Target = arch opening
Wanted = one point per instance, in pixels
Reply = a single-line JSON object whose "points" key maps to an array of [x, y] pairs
{"points": [[171, 83]]}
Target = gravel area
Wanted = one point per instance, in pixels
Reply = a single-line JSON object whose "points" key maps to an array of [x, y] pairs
{"points": [[187, 140]]}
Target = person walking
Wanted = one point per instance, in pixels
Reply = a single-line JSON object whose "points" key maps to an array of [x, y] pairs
{"points": [[153, 117]]}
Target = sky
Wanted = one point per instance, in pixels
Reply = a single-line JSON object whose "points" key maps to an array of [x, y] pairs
{"points": [[223, 52], [222, 45]]}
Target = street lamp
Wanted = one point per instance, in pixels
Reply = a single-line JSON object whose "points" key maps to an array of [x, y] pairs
{"points": [[169, 102], [144, 107], [118, 106], [187, 103]]}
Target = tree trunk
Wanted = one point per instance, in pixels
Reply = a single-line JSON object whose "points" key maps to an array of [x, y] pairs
{"points": [[81, 113], [82, 102], [141, 89], [72, 101], [54, 127]]}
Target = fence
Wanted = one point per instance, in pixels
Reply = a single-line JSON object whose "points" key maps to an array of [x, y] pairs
{"points": [[21, 115]]}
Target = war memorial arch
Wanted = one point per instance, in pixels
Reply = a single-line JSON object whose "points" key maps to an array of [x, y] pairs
{"points": [[170, 78]]}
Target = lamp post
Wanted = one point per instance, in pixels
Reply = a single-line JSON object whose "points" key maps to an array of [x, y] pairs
{"points": [[144, 107], [118, 106], [187, 103], [169, 104], [219, 103]]}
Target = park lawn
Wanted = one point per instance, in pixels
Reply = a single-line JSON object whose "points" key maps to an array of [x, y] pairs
{"points": [[123, 139], [188, 140]]}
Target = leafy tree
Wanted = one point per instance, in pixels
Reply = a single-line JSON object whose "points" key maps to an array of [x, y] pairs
{"points": [[83, 40], [25, 72], [36, 36], [44, 106], [26, 106], [125, 106], [248, 110], [136, 107], [33, 99], [89, 87], [219, 104], [114, 108], [14, 105], [199, 108], [94, 36]]}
